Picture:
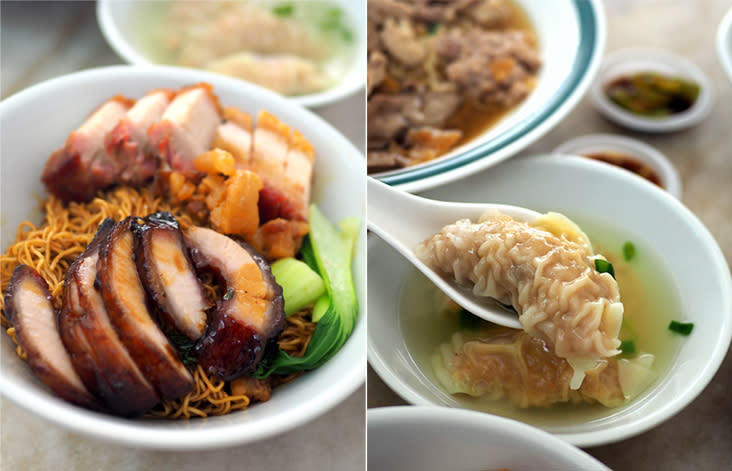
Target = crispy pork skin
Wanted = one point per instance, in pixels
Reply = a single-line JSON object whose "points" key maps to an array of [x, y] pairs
{"points": [[28, 306], [251, 313], [168, 274], [125, 301], [103, 363], [82, 167], [187, 127], [128, 143]]}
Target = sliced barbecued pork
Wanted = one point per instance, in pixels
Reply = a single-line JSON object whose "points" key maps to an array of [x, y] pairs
{"points": [[28, 306], [128, 143], [187, 127], [251, 313], [81, 168], [389, 115], [168, 274], [99, 357], [125, 301], [235, 135]]}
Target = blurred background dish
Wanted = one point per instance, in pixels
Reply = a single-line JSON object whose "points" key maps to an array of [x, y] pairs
{"points": [[404, 331], [724, 43], [652, 90], [628, 153], [64, 102], [307, 50], [569, 54], [436, 439]]}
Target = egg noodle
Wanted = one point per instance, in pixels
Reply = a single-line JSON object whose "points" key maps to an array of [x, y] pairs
{"points": [[64, 234]]}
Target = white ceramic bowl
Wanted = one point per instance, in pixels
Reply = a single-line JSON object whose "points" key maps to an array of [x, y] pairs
{"points": [[582, 189], [641, 151], [629, 61], [36, 121], [117, 21], [571, 37], [438, 439], [724, 43]]}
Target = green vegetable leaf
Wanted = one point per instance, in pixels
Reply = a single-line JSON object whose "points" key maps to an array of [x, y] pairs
{"points": [[628, 251], [329, 252], [184, 345], [603, 266], [284, 10], [683, 328], [301, 285], [627, 346]]}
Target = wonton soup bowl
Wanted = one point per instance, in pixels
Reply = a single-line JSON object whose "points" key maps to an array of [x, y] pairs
{"points": [[119, 24], [571, 40], [36, 121], [581, 189]]}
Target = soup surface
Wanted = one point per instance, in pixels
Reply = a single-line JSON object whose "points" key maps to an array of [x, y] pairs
{"points": [[646, 290]]}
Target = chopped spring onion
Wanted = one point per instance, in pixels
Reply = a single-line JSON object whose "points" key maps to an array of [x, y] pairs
{"points": [[432, 28], [283, 9], [229, 294], [301, 286], [184, 345], [683, 328], [603, 266], [627, 346], [628, 251]]}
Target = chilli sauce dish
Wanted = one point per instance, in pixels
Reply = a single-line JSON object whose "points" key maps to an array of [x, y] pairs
{"points": [[652, 90], [602, 336], [178, 268]]}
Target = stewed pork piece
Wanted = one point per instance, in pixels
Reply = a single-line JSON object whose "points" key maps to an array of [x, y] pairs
{"points": [[168, 275], [128, 143], [125, 301], [251, 313], [97, 354], [187, 127], [82, 167], [28, 306]]}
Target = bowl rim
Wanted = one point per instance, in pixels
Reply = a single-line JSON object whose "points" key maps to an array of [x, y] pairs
{"points": [[110, 428], [724, 43], [692, 389], [645, 152], [654, 57], [338, 92], [419, 415], [592, 27]]}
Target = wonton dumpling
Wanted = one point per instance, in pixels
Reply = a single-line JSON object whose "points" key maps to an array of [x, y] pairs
{"points": [[547, 274]]}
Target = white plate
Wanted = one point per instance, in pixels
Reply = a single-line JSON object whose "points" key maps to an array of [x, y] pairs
{"points": [[629, 61], [36, 121], [439, 439], [580, 188], [571, 37], [724, 43], [117, 21]]}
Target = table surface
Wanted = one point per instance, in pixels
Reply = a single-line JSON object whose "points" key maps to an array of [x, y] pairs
{"points": [[44, 40], [699, 437]]}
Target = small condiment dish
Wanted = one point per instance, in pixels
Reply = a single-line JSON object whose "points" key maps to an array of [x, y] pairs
{"points": [[630, 61], [638, 154], [724, 43]]}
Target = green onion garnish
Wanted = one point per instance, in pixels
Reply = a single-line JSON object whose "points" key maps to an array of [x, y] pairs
{"points": [[628, 251], [683, 328], [283, 9], [627, 346], [432, 28], [229, 294], [603, 266]]}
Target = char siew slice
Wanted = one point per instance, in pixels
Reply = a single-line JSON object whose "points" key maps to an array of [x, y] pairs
{"points": [[82, 167], [125, 301], [168, 274], [251, 313], [99, 357], [28, 306]]}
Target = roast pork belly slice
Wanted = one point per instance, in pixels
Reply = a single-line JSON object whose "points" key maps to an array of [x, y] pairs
{"points": [[28, 306], [271, 141], [235, 135], [251, 313], [128, 143], [168, 274], [125, 301], [103, 363], [82, 167], [187, 127]]}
